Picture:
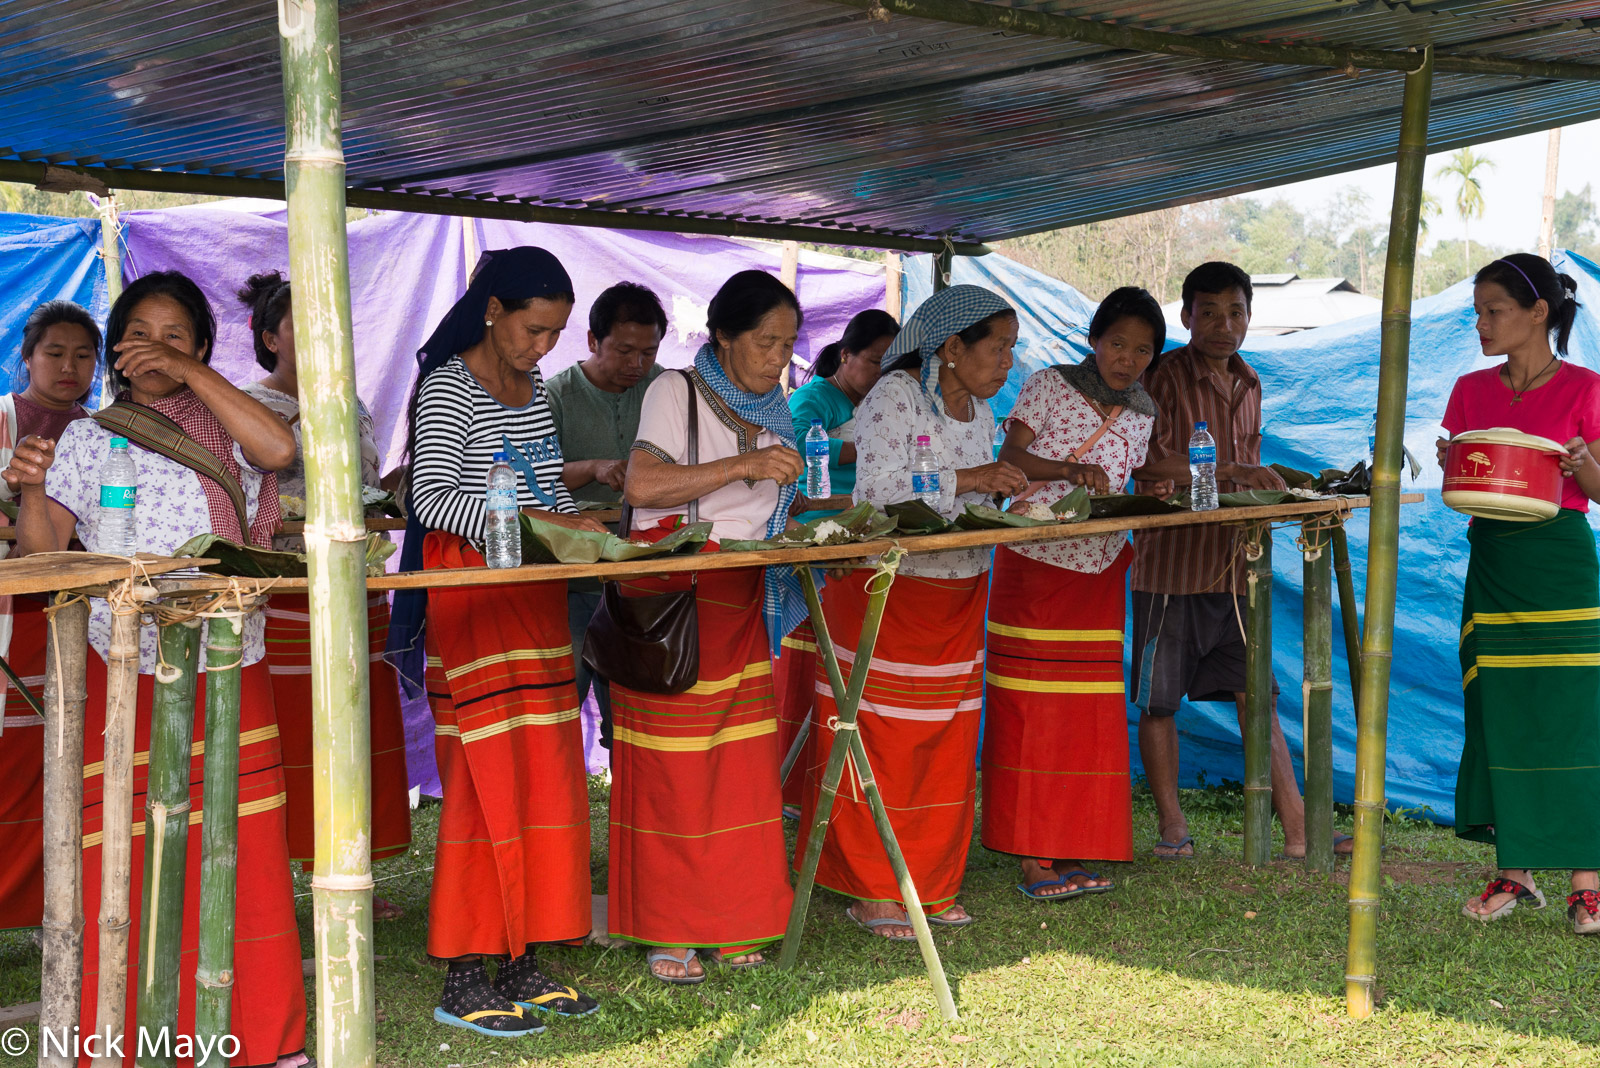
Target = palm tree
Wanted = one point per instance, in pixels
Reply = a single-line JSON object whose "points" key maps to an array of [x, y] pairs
{"points": [[1464, 165]]}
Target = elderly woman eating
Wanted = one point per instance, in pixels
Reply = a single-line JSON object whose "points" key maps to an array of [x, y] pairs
{"points": [[697, 845], [920, 712], [204, 453]]}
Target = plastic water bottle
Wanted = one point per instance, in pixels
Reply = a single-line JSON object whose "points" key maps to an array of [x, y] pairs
{"points": [[502, 537], [925, 472], [818, 484], [1202, 470], [119, 491]]}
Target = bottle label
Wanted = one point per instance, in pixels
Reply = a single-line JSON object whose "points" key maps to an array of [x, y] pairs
{"points": [[924, 482], [118, 496], [1202, 454], [501, 500], [817, 449]]}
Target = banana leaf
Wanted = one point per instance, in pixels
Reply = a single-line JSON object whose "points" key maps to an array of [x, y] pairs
{"points": [[1255, 498], [1125, 505], [544, 542], [245, 561], [9, 508], [915, 517], [686, 539], [982, 517], [1294, 477], [1074, 507], [861, 522]]}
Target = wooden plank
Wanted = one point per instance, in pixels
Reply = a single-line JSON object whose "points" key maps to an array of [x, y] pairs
{"points": [[48, 572], [819, 555], [27, 1012]]}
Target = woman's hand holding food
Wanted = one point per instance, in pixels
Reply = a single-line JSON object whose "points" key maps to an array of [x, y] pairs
{"points": [[29, 462]]}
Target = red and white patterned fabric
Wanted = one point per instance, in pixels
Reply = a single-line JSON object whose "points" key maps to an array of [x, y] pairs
{"points": [[200, 423]]}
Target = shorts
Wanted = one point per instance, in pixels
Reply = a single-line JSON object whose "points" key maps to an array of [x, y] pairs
{"points": [[1189, 643]]}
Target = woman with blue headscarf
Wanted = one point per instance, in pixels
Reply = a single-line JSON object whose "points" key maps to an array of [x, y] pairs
{"points": [[920, 712], [511, 868], [697, 845]]}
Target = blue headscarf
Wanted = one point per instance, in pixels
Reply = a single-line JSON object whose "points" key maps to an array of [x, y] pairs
{"points": [[936, 320], [512, 274], [784, 605]]}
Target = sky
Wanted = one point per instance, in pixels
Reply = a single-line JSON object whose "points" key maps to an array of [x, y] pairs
{"points": [[1513, 189]]}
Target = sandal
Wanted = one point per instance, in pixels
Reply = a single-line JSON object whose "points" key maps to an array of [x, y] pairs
{"points": [[940, 921], [472, 1003], [1186, 840], [1105, 889], [872, 926], [1031, 890], [522, 983], [658, 955], [384, 909], [1583, 909], [719, 958], [1505, 886], [499, 1023]]}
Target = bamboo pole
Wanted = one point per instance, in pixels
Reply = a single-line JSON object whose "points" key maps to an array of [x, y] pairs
{"points": [[166, 842], [1258, 698], [219, 836], [943, 264], [65, 694], [892, 274], [1348, 612], [111, 257], [116, 820], [1318, 695], [1552, 169], [1383, 544], [847, 706], [335, 533], [796, 747]]}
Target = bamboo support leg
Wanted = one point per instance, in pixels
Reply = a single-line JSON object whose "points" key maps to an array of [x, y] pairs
{"points": [[1348, 613], [219, 839], [116, 820], [850, 744], [166, 843], [1318, 698], [1383, 544], [1258, 703], [65, 694], [792, 757]]}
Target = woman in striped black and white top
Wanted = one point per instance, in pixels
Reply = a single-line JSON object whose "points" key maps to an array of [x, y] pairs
{"points": [[512, 863]]}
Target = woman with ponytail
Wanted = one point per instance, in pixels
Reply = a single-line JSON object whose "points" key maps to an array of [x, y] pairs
{"points": [[1530, 618]]}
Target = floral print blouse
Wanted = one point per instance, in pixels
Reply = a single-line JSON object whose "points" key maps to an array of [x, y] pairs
{"points": [[888, 424]]}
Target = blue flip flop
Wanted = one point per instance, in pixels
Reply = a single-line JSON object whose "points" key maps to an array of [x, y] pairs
{"points": [[1031, 890], [467, 1022], [1106, 889], [1186, 840]]}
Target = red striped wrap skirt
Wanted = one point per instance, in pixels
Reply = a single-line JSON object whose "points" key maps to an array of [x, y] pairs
{"points": [[794, 680], [22, 773], [289, 661], [697, 844], [1055, 748], [512, 864], [919, 720], [269, 1000]]}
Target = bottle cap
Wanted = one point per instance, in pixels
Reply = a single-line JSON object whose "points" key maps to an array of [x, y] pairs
{"points": [[923, 439], [816, 422], [501, 458], [1200, 426], [119, 443]]}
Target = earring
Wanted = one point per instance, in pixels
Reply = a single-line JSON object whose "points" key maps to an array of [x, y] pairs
{"points": [[950, 364], [488, 322]]}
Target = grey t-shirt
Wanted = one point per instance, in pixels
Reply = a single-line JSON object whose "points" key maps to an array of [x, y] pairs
{"points": [[594, 424]]}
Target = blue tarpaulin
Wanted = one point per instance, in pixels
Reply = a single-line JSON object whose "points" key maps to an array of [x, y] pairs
{"points": [[43, 258], [1320, 390]]}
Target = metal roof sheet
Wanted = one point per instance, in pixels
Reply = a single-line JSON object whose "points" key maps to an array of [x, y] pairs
{"points": [[794, 111]]}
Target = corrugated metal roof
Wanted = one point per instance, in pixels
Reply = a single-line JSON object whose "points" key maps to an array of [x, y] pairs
{"points": [[794, 111]]}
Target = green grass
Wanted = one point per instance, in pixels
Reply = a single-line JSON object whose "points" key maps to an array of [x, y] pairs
{"points": [[1171, 969]]}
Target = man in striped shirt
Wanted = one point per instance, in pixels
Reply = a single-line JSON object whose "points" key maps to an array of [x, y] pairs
{"points": [[1189, 582]]}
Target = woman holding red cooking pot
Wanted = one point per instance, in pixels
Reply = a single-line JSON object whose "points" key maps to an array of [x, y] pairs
{"points": [[1530, 617]]}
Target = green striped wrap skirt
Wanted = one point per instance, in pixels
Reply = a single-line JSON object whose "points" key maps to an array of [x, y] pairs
{"points": [[1530, 671]]}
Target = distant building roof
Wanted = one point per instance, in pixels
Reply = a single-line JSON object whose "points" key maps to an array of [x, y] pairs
{"points": [[1287, 303]]}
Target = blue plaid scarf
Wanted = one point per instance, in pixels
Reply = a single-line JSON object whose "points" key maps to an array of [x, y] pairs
{"points": [[936, 320], [784, 605]]}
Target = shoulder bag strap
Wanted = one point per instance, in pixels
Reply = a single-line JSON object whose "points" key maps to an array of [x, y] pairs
{"points": [[1107, 419], [156, 432], [625, 523]]}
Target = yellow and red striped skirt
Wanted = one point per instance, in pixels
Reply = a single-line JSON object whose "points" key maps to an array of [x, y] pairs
{"points": [[1055, 748], [22, 773], [697, 845], [512, 862], [288, 637], [794, 681], [919, 721]]}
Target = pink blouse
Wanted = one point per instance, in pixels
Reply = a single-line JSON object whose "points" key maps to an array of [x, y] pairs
{"points": [[1566, 407], [1062, 419]]}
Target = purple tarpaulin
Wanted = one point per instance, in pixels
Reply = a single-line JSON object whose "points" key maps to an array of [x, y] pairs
{"points": [[406, 271]]}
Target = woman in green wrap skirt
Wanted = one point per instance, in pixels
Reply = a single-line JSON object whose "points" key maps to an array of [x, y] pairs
{"points": [[1530, 618]]}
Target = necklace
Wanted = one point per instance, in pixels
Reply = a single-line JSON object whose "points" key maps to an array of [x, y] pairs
{"points": [[1516, 394], [849, 395]]}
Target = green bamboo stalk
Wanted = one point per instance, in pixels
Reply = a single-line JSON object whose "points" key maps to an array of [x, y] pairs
{"points": [[116, 820], [335, 533], [792, 757], [111, 256], [219, 840], [1318, 696], [65, 695], [1383, 544], [1258, 704], [166, 843], [943, 264], [1348, 612]]}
